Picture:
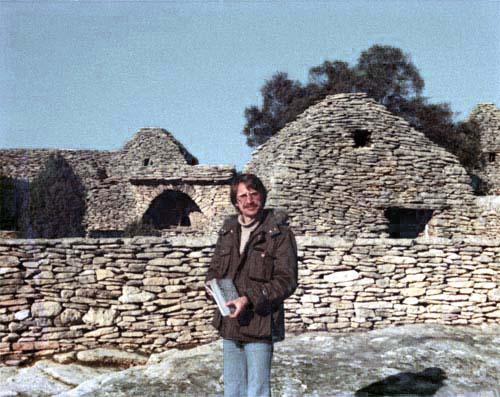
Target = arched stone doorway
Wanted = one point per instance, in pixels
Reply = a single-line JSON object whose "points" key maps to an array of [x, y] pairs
{"points": [[172, 209]]}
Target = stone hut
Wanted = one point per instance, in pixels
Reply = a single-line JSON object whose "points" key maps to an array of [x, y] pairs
{"points": [[487, 117], [152, 177], [349, 167]]}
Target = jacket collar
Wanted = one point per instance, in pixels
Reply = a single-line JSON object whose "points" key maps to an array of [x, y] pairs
{"points": [[269, 224]]}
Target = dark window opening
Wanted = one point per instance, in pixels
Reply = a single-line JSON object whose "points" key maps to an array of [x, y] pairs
{"points": [[479, 185], [361, 138], [170, 209], [146, 162], [101, 174], [491, 157], [407, 222]]}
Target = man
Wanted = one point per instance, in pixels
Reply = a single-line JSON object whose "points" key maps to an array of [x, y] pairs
{"points": [[257, 250]]}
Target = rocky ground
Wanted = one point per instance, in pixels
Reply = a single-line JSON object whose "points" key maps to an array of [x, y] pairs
{"points": [[310, 364]]}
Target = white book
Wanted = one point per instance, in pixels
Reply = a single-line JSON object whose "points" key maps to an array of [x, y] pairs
{"points": [[223, 291]]}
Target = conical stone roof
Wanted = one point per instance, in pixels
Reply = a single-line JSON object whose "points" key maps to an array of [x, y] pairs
{"points": [[346, 160]]}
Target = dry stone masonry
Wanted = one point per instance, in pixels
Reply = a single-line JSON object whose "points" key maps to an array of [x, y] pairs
{"points": [[147, 295], [348, 167], [388, 229], [487, 117], [121, 186]]}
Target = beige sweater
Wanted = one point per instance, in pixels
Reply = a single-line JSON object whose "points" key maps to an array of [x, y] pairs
{"points": [[246, 230]]}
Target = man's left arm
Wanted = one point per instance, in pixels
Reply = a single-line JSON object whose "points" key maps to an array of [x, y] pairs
{"points": [[266, 297]]}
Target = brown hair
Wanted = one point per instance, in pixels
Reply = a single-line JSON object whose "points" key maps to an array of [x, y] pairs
{"points": [[250, 181]]}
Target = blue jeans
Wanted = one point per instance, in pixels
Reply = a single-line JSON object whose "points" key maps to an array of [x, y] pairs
{"points": [[247, 368]]}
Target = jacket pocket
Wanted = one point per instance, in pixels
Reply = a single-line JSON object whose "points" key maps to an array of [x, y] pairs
{"points": [[262, 268]]}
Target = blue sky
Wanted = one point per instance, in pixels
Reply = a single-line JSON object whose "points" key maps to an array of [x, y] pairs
{"points": [[89, 74]]}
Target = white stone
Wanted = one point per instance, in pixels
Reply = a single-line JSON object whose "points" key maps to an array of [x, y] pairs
{"points": [[22, 315], [397, 260], [309, 298], [135, 295], [373, 305], [341, 277], [412, 278], [494, 295], [460, 284], [411, 301], [413, 291]]}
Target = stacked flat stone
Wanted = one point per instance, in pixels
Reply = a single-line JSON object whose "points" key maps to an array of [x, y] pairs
{"points": [[487, 117], [121, 185], [150, 148], [375, 283], [184, 174], [111, 205], [332, 186], [147, 294], [25, 164]]}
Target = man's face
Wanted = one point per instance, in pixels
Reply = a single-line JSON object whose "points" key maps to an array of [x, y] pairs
{"points": [[248, 202]]}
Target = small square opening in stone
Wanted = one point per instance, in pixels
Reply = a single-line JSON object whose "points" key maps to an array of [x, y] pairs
{"points": [[407, 222], [146, 162], [491, 157], [479, 185], [361, 138], [101, 174]]}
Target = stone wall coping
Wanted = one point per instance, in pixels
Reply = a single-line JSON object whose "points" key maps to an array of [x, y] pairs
{"points": [[306, 241]]}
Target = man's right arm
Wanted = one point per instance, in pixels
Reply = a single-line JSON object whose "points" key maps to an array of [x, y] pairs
{"points": [[213, 269]]}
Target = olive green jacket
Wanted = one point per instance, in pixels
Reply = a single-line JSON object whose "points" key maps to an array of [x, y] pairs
{"points": [[266, 273]]}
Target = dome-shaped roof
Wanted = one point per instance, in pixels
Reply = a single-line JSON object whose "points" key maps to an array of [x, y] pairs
{"points": [[346, 161]]}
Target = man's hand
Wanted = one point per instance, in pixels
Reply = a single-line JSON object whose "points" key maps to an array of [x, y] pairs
{"points": [[239, 303], [209, 291]]}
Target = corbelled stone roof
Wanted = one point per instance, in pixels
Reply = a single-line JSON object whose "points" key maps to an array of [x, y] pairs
{"points": [[149, 149], [347, 159]]}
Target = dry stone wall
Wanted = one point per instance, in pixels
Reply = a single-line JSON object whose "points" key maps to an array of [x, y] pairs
{"points": [[121, 185], [147, 295], [25, 164], [373, 283]]}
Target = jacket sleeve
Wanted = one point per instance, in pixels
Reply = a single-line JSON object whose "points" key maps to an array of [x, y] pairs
{"points": [[267, 297], [214, 263], [214, 267]]}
